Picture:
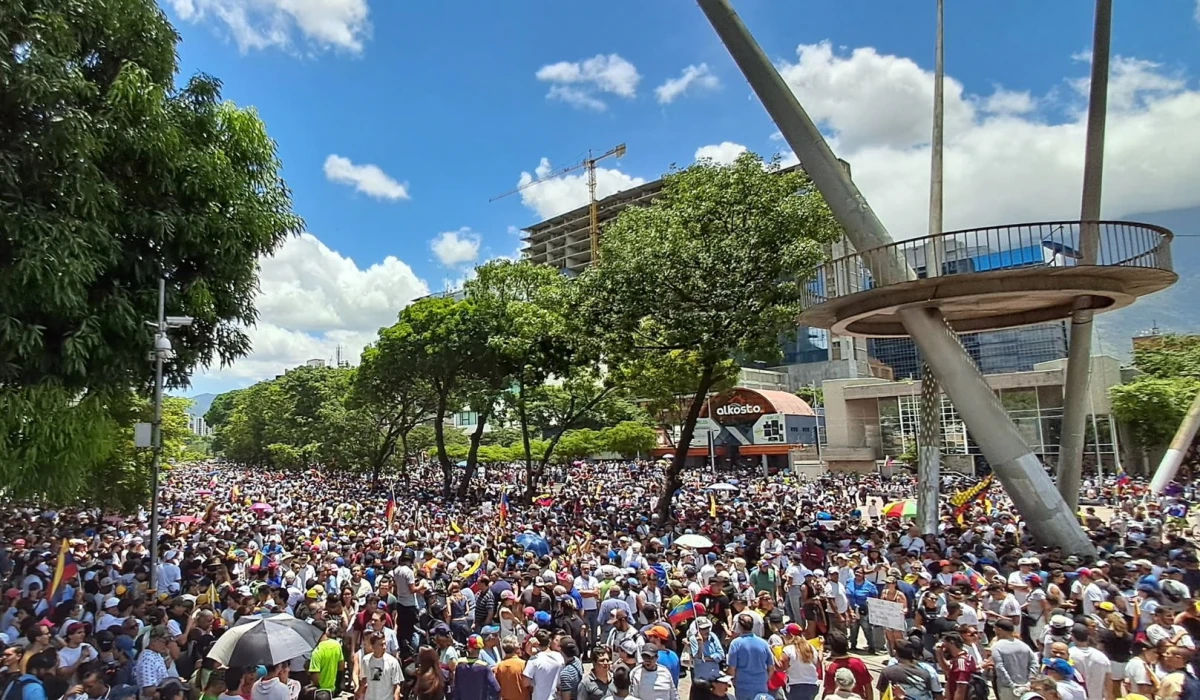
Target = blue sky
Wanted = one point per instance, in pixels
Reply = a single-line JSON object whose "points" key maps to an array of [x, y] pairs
{"points": [[397, 121]]}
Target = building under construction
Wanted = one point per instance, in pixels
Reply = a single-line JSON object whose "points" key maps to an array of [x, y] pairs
{"points": [[565, 241]]}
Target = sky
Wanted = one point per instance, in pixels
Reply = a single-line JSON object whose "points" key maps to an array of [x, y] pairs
{"points": [[398, 122]]}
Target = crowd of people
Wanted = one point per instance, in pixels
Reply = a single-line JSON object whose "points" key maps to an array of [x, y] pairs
{"points": [[759, 586]]}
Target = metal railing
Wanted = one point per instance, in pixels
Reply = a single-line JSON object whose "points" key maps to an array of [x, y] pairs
{"points": [[1053, 244]]}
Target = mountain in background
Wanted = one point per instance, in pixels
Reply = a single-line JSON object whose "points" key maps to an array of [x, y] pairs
{"points": [[200, 404], [1173, 310]]}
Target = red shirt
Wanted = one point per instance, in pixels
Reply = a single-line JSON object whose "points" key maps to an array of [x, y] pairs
{"points": [[862, 677], [960, 672]]}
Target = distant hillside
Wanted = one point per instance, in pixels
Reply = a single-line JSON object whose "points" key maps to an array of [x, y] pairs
{"points": [[200, 403], [1174, 310]]}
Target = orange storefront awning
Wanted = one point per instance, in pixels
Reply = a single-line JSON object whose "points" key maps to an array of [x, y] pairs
{"points": [[772, 449], [692, 452]]}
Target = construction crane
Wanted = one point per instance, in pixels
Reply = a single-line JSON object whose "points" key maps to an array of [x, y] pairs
{"points": [[589, 164]]}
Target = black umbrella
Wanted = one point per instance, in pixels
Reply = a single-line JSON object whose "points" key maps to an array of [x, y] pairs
{"points": [[265, 640]]}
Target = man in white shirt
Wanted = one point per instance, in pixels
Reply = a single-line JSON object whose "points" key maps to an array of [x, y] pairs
{"points": [[651, 680], [1091, 663], [1164, 628], [1093, 594], [543, 668], [379, 670]]}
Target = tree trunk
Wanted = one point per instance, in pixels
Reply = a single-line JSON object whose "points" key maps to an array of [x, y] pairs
{"points": [[473, 453], [404, 456], [439, 438], [672, 480], [523, 416]]}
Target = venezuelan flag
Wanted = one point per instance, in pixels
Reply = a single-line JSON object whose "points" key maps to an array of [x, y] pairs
{"points": [[503, 508], [686, 610], [64, 570], [712, 505], [391, 508]]}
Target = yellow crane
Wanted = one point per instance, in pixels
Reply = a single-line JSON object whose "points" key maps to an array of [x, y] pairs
{"points": [[589, 164]]}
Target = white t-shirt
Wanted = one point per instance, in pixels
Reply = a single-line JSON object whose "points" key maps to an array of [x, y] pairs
{"points": [[382, 674], [1094, 666], [800, 672], [542, 671], [68, 656], [1092, 595]]}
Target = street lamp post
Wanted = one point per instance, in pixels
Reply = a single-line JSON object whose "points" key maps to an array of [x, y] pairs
{"points": [[162, 353]]}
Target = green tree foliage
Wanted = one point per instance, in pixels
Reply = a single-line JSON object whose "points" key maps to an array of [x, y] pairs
{"points": [[628, 438], [303, 419], [113, 173], [812, 395], [716, 266], [112, 176], [1154, 403], [394, 399]]}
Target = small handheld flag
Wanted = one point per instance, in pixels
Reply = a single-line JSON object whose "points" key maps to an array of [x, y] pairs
{"points": [[503, 508], [681, 613], [391, 508], [64, 570]]}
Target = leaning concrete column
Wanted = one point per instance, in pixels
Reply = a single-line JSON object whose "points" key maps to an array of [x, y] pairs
{"points": [[1079, 355], [1024, 479], [1019, 470], [1178, 449]]}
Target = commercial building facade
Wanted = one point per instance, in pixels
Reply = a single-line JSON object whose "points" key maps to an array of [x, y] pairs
{"points": [[870, 422]]}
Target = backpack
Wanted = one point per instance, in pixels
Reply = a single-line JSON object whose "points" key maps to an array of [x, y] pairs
{"points": [[19, 683], [977, 687]]}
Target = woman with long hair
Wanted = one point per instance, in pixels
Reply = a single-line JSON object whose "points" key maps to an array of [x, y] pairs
{"points": [[812, 606], [1141, 672], [801, 663], [1115, 642], [431, 683]]}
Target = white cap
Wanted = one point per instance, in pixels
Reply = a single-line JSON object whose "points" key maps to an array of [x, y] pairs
{"points": [[112, 602]]}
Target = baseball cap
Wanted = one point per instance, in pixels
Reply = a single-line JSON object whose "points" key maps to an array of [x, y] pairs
{"points": [[474, 642], [726, 679], [630, 647], [1061, 666], [659, 632]]}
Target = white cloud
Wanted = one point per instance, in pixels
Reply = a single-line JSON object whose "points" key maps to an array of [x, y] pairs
{"points": [[261, 24], [562, 194], [579, 83], [692, 78], [1002, 165], [723, 153], [368, 179], [313, 299], [1008, 102], [454, 248]]}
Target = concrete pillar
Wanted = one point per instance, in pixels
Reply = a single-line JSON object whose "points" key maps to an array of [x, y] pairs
{"points": [[1079, 355], [1021, 472]]}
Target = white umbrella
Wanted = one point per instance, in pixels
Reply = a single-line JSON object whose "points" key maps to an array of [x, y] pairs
{"points": [[693, 541], [722, 487]]}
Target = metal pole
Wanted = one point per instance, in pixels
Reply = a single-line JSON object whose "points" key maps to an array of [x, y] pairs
{"points": [[929, 437], [1070, 453], [1025, 481], [1178, 449], [156, 431]]}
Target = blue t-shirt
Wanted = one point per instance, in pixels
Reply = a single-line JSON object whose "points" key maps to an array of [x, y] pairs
{"points": [[670, 659], [752, 658]]}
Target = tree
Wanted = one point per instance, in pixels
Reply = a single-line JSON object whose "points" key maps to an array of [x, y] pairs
{"points": [[441, 340], [395, 400], [1154, 403], [716, 266], [116, 174], [627, 438], [812, 395], [578, 444]]}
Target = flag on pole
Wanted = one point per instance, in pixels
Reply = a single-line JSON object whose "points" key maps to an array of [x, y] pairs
{"points": [[683, 612], [391, 508], [712, 505], [963, 499], [471, 574], [64, 570], [503, 509]]}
